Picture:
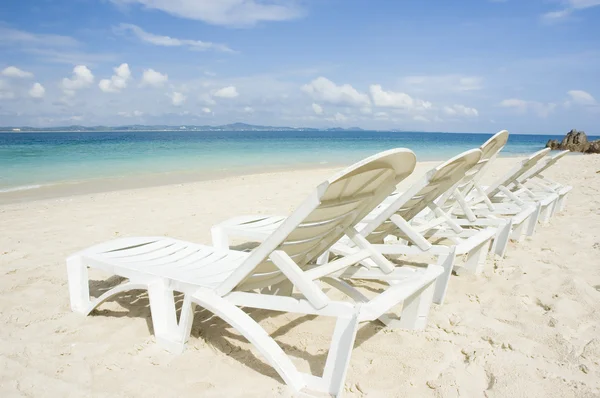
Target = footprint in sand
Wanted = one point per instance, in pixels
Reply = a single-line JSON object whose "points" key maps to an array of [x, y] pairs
{"points": [[491, 380], [546, 307]]}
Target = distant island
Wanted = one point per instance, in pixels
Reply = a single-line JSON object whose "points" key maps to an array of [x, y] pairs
{"points": [[183, 127]]}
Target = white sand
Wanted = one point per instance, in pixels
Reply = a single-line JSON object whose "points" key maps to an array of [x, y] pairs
{"points": [[528, 327]]}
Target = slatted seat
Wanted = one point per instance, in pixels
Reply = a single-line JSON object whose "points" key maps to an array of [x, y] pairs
{"points": [[177, 260]]}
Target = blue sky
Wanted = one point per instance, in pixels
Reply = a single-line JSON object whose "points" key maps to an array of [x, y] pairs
{"points": [[530, 66]]}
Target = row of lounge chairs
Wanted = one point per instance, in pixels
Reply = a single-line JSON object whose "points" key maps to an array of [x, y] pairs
{"points": [[353, 227]]}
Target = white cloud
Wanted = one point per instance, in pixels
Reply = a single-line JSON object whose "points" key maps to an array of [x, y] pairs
{"points": [[579, 4], [581, 97], [177, 98], [168, 41], [150, 77], [50, 47], [13, 71], [469, 83], [448, 110], [338, 117], [207, 99], [318, 109], [555, 16], [513, 103], [226, 92], [248, 109], [82, 78], [460, 110], [420, 118], [583, 4], [391, 99], [118, 81], [571, 6], [445, 82], [69, 57], [206, 110], [523, 106], [37, 91], [223, 12], [10, 36], [323, 89]]}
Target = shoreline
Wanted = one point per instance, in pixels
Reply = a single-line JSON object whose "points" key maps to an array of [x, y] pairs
{"points": [[64, 189], [61, 189]]}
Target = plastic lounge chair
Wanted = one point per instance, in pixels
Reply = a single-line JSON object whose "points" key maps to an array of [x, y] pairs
{"points": [[536, 182], [509, 219], [393, 217], [222, 281], [506, 195]]}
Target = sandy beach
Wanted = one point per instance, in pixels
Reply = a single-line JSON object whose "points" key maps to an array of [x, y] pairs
{"points": [[529, 326]]}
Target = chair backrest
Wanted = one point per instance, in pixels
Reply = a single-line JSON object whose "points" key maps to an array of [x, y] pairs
{"points": [[424, 192], [336, 205], [491, 148], [513, 176], [489, 151], [543, 167]]}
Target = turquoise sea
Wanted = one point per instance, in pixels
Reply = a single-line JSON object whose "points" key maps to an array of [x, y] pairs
{"points": [[32, 160]]}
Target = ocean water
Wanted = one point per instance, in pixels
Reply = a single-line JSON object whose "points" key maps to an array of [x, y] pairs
{"points": [[31, 160]]}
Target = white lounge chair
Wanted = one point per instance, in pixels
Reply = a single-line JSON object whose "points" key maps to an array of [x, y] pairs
{"points": [[224, 280], [507, 196], [394, 217], [536, 182], [509, 219]]}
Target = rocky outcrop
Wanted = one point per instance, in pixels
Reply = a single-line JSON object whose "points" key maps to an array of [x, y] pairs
{"points": [[575, 141], [594, 147], [553, 144]]}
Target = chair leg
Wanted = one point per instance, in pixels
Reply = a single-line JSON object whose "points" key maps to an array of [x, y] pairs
{"points": [[251, 331], [441, 285], [79, 290], [415, 309], [546, 213], [530, 223], [533, 220], [164, 317], [186, 318], [340, 350], [476, 258], [501, 239], [561, 202]]}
